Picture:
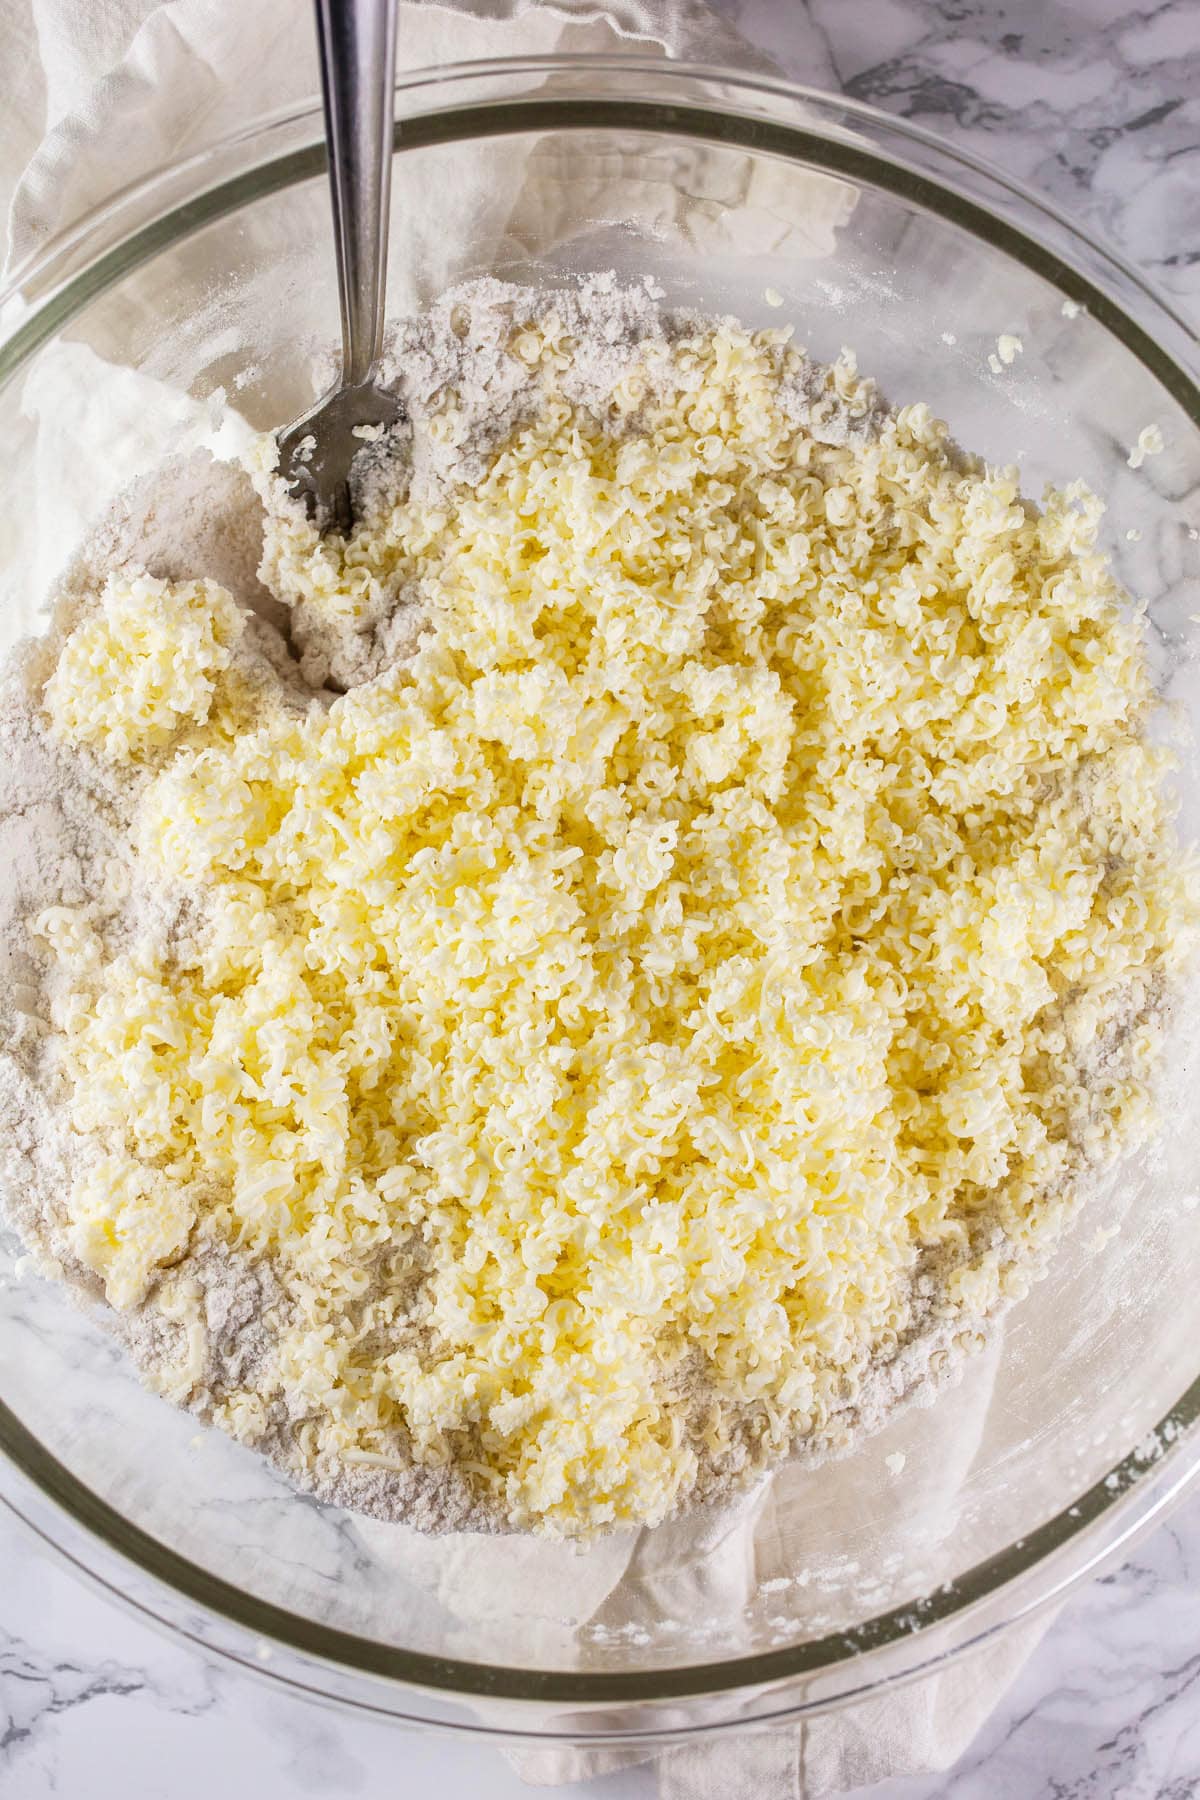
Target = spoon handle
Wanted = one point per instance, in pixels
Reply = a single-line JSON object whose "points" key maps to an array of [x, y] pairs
{"points": [[357, 43]]}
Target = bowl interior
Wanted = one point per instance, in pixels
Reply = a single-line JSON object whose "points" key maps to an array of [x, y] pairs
{"points": [[231, 319]]}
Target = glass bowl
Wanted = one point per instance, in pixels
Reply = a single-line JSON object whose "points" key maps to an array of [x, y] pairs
{"points": [[204, 297]]}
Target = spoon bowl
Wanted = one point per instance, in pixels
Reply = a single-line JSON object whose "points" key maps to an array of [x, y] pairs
{"points": [[316, 453]]}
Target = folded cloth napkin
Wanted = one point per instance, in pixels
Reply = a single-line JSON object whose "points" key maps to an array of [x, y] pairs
{"points": [[101, 95]]}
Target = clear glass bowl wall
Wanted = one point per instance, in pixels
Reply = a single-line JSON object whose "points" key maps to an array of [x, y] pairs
{"points": [[212, 285]]}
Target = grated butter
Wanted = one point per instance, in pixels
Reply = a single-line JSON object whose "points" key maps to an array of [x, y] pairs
{"points": [[738, 885]]}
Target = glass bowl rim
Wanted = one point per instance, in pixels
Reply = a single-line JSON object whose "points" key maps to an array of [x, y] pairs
{"points": [[43, 292]]}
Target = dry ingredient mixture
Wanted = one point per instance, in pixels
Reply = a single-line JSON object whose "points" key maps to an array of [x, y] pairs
{"points": [[629, 986]]}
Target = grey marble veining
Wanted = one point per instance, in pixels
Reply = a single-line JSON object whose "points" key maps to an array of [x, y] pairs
{"points": [[1096, 103], [96, 1705]]}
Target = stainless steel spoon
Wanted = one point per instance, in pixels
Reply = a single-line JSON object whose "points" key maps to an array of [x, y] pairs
{"points": [[357, 43]]}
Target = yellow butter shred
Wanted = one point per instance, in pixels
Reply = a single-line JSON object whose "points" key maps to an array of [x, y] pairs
{"points": [[127, 1221], [758, 875], [142, 664]]}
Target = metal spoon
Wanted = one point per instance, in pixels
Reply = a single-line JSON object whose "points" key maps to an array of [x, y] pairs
{"points": [[357, 43]]}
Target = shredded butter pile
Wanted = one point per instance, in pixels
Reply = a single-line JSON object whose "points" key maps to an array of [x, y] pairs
{"points": [[757, 882]]}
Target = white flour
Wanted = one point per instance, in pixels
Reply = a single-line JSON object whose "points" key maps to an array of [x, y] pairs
{"points": [[64, 821]]}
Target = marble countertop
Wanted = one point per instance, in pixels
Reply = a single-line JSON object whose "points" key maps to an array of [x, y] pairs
{"points": [[1096, 102], [1108, 1708]]}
